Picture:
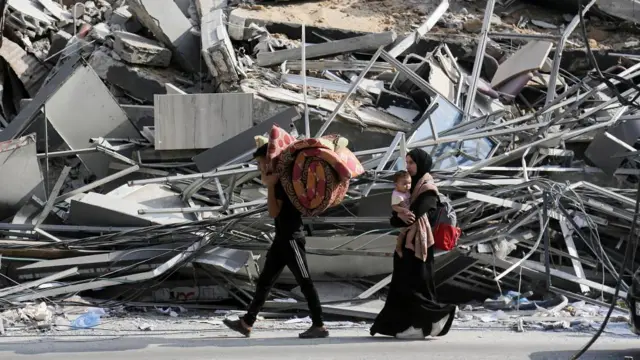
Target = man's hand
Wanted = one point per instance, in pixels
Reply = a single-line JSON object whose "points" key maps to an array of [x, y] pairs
{"points": [[407, 217], [269, 180]]}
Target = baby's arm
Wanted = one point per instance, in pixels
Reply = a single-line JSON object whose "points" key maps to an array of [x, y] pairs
{"points": [[399, 209]]}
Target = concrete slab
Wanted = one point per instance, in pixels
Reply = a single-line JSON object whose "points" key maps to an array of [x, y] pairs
{"points": [[97, 115], [136, 49], [25, 16], [93, 209], [217, 50], [200, 121], [63, 16], [140, 82], [21, 174], [244, 142], [365, 42], [167, 23], [183, 5], [206, 6]]}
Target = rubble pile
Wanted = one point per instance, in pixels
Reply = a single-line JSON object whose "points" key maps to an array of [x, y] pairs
{"points": [[128, 128]]}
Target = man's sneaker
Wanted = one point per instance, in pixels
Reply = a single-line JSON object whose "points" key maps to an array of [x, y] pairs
{"points": [[237, 326], [314, 332]]}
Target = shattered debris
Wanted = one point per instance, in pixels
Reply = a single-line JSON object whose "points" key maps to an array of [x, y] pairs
{"points": [[127, 128]]}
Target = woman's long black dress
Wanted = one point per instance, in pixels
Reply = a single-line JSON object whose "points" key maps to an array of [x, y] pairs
{"points": [[412, 293]]}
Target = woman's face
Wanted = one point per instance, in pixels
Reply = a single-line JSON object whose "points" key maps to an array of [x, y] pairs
{"points": [[412, 168]]}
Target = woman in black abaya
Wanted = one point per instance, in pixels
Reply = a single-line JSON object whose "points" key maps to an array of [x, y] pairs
{"points": [[411, 310]]}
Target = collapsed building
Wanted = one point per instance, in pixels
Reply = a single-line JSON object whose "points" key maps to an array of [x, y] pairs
{"points": [[127, 129]]}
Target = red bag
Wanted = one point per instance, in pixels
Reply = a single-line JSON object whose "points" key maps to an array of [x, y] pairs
{"points": [[445, 230]]}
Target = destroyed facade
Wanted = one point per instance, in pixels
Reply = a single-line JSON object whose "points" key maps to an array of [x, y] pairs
{"points": [[127, 130]]}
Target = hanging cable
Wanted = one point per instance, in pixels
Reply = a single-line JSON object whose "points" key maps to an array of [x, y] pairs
{"points": [[631, 247]]}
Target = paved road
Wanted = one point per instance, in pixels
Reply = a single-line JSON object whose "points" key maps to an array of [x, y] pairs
{"points": [[345, 344]]}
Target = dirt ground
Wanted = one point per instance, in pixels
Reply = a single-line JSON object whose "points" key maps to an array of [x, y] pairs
{"points": [[463, 19]]}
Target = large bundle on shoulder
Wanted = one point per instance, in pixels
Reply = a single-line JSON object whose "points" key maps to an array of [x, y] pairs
{"points": [[314, 172]]}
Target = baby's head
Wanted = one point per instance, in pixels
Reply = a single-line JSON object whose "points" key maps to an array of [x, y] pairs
{"points": [[402, 179]]}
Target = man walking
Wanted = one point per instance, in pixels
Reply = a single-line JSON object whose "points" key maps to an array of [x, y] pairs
{"points": [[287, 249]]}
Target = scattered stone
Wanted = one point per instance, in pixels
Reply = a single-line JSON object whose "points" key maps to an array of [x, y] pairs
{"points": [[496, 20], [136, 49], [473, 26], [100, 32], [598, 35], [58, 42]]}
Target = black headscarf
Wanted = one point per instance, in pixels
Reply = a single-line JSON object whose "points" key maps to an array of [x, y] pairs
{"points": [[423, 165]]}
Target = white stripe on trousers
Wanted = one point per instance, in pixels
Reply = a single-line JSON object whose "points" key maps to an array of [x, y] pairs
{"points": [[303, 268]]}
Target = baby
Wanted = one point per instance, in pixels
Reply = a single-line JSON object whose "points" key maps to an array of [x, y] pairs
{"points": [[401, 196]]}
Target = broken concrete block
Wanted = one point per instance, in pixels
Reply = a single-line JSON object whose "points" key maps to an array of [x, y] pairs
{"points": [[100, 32], [26, 17], [122, 18], [239, 24], [140, 82], [200, 121], [365, 42], [217, 49], [96, 115], [59, 41], [167, 23], [63, 16], [26, 66], [23, 178], [206, 6], [136, 49]]}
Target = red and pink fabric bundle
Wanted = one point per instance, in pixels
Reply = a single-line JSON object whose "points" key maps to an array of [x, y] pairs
{"points": [[315, 173]]}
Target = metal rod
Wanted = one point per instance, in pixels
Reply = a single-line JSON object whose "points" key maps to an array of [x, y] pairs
{"points": [[201, 209], [207, 175], [75, 17], [547, 241], [97, 183], [477, 65], [555, 71], [497, 35], [44, 233], [307, 128], [46, 150], [54, 192], [354, 86]]}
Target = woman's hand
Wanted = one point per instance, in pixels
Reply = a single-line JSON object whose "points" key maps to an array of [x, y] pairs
{"points": [[407, 217]]}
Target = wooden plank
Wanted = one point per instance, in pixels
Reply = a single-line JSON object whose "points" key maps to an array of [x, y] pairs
{"points": [[200, 121], [365, 42]]}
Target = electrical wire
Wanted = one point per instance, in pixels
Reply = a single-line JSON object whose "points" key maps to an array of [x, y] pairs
{"points": [[631, 246]]}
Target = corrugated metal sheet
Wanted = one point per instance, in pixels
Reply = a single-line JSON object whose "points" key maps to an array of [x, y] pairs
{"points": [[28, 68]]}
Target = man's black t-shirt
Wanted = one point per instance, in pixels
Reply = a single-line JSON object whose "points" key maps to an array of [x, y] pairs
{"points": [[289, 220]]}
